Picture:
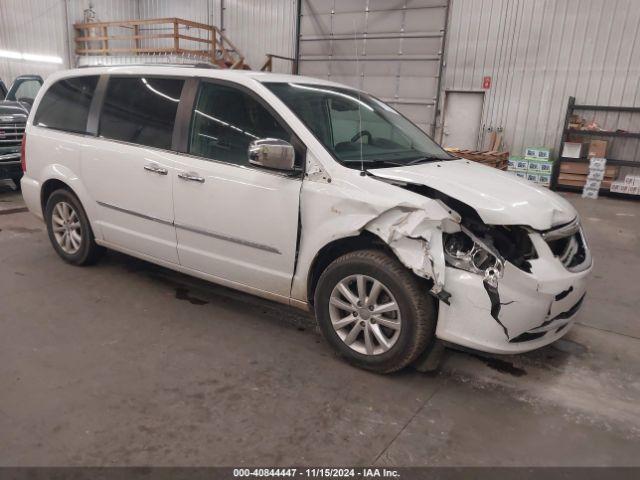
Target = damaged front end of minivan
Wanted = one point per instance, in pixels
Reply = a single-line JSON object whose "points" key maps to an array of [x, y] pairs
{"points": [[501, 288]]}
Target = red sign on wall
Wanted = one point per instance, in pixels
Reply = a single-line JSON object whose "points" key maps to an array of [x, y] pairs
{"points": [[486, 82]]}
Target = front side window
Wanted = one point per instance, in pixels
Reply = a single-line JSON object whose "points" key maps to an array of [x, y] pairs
{"points": [[65, 106], [356, 128], [226, 120], [141, 110], [24, 91]]}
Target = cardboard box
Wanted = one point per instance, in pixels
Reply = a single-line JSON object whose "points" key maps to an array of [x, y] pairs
{"points": [[537, 153], [596, 175], [521, 175], [618, 187], [534, 167], [532, 177], [632, 180], [546, 167], [572, 150], [544, 179], [597, 163], [590, 193], [591, 183], [517, 163], [597, 148]]}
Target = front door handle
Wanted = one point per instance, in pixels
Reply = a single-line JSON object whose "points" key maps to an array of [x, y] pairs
{"points": [[191, 177], [155, 168]]}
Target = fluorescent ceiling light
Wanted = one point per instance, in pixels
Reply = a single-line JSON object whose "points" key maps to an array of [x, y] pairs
{"points": [[30, 57]]}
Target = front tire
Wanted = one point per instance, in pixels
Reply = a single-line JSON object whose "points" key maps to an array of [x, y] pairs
{"points": [[374, 311], [69, 229]]}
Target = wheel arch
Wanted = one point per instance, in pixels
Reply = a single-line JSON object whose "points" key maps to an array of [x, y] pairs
{"points": [[50, 186], [58, 176], [336, 248]]}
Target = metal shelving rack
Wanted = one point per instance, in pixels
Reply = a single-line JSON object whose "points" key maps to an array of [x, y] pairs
{"points": [[566, 131]]}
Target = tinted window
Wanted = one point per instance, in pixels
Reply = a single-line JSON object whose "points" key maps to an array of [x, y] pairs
{"points": [[141, 110], [65, 106], [226, 120]]}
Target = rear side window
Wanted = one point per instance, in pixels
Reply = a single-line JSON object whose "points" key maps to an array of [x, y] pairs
{"points": [[65, 106], [141, 110]]}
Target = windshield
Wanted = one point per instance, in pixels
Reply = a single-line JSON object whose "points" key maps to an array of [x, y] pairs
{"points": [[357, 128], [24, 90]]}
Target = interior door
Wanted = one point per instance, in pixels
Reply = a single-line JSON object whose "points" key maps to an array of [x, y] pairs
{"points": [[129, 169], [233, 220], [462, 119]]}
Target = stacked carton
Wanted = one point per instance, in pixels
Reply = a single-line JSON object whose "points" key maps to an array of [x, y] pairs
{"points": [[594, 179], [535, 166], [630, 185]]}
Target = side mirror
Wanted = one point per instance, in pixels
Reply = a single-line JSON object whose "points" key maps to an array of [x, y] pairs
{"points": [[272, 153]]}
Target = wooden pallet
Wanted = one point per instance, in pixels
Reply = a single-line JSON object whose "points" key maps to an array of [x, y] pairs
{"points": [[491, 158]]}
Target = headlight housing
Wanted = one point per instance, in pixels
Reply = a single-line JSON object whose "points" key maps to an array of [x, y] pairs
{"points": [[465, 251]]}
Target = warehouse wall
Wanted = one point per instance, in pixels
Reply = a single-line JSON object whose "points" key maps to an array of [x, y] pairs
{"points": [[540, 52], [32, 26], [46, 27]]}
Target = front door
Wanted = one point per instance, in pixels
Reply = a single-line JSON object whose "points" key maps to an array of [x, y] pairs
{"points": [[462, 119], [233, 220], [129, 169]]}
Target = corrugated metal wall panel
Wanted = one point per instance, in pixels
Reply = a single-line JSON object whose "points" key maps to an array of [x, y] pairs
{"points": [[46, 27], [32, 26], [540, 52], [105, 11], [258, 28]]}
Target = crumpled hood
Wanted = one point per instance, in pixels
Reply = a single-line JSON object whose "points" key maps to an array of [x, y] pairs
{"points": [[500, 198]]}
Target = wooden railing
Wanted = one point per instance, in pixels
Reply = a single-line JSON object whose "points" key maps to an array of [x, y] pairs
{"points": [[267, 66], [158, 36]]}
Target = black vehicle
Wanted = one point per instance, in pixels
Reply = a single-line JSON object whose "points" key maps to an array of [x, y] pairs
{"points": [[14, 110]]}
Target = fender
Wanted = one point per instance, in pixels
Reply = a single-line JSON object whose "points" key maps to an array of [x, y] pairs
{"points": [[64, 174]]}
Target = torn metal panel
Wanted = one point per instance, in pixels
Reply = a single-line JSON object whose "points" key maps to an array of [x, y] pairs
{"points": [[415, 236], [409, 223]]}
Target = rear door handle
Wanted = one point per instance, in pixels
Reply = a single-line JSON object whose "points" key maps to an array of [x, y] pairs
{"points": [[155, 168], [191, 177]]}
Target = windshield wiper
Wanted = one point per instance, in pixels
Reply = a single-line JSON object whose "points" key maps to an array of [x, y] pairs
{"points": [[425, 159], [374, 163]]}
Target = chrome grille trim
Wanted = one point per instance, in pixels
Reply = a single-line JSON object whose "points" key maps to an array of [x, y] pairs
{"points": [[11, 134]]}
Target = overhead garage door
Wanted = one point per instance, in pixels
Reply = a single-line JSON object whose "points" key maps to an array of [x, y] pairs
{"points": [[389, 48]]}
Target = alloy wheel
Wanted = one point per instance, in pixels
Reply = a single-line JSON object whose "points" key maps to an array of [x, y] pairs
{"points": [[365, 314], [66, 226]]}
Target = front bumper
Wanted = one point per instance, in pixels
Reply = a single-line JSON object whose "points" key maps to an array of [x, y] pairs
{"points": [[10, 165], [533, 309]]}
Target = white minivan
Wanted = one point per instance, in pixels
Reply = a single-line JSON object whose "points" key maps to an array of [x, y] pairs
{"points": [[309, 193]]}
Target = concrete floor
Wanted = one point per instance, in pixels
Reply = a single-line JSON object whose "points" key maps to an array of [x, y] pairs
{"points": [[126, 363]]}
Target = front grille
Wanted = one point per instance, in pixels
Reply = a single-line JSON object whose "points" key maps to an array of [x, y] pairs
{"points": [[568, 245], [11, 134]]}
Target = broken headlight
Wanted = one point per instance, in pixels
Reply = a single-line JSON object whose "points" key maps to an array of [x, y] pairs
{"points": [[465, 251]]}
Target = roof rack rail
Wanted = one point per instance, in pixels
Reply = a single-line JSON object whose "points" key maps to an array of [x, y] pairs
{"points": [[142, 64]]}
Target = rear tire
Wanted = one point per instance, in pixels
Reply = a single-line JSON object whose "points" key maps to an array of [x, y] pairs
{"points": [[346, 309], [69, 229]]}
